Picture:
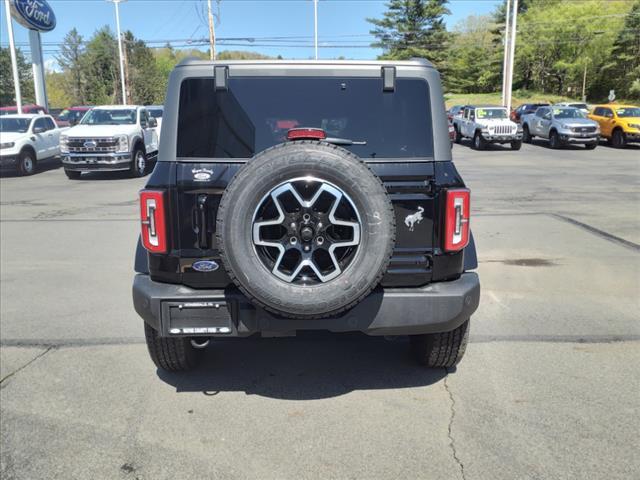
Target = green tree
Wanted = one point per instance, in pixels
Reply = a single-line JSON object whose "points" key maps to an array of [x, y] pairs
{"points": [[623, 69], [146, 84], [7, 92], [471, 57], [71, 61], [101, 68], [58, 94], [412, 28], [558, 40]]}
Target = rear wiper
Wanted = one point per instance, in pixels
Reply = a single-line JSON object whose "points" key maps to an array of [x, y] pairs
{"points": [[344, 141]]}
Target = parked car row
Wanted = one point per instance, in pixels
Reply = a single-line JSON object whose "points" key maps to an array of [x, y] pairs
{"points": [[560, 124], [107, 138]]}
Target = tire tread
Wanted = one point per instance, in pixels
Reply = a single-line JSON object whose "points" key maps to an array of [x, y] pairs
{"points": [[444, 349], [171, 354]]}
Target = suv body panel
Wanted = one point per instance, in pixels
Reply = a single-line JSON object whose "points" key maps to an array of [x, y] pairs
{"points": [[424, 289]]}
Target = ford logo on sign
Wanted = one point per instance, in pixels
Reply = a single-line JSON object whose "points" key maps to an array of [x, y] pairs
{"points": [[205, 266], [34, 14]]}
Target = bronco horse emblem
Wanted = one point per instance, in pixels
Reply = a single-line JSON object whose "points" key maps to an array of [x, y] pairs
{"points": [[414, 219]]}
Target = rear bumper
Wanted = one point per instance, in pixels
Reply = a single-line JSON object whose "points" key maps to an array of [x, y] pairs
{"points": [[438, 307], [99, 161]]}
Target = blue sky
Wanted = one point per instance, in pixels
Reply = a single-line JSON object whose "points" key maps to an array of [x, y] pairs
{"points": [[342, 26]]}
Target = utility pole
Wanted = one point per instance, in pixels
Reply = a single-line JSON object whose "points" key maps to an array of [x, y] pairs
{"points": [[315, 26], [14, 61], [122, 82], [212, 35], [127, 83], [584, 83], [512, 51], [505, 62]]}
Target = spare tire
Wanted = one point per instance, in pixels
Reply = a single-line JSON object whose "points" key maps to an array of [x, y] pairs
{"points": [[305, 229]]}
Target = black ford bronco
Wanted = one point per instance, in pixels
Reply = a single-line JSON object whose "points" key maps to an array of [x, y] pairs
{"points": [[294, 196]]}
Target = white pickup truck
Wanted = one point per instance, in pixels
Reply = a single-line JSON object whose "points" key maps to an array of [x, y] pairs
{"points": [[27, 139], [111, 138], [485, 125]]}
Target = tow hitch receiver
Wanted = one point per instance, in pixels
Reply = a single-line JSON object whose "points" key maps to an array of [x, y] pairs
{"points": [[199, 318]]}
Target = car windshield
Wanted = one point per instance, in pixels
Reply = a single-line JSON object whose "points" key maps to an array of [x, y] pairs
{"points": [[19, 125], [568, 113], [628, 112], [155, 112], [64, 115], [116, 116], [491, 113]]}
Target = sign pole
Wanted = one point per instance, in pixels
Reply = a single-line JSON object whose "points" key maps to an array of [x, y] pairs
{"points": [[505, 62], [315, 26], [38, 69], [14, 61], [512, 48], [122, 83]]}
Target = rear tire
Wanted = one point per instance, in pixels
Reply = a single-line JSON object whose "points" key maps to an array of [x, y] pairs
{"points": [[458, 136], [444, 349], [516, 145], [479, 143], [26, 163], [72, 175], [526, 135], [171, 354], [618, 139]]}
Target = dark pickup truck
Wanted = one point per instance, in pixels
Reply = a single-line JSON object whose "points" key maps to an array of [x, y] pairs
{"points": [[293, 196]]}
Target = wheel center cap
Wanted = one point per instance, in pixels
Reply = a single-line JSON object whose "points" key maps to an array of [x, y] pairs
{"points": [[306, 233]]}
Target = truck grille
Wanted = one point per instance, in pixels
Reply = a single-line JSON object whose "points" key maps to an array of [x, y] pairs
{"points": [[91, 145], [502, 130], [583, 129]]}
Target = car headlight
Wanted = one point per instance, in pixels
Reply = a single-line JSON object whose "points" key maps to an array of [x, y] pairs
{"points": [[7, 144], [64, 146], [635, 125], [122, 143], [564, 126]]}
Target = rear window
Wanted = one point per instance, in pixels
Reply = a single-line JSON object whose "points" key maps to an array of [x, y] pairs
{"points": [[255, 113]]}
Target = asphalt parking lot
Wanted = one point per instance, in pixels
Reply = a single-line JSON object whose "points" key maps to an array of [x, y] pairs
{"points": [[549, 387]]}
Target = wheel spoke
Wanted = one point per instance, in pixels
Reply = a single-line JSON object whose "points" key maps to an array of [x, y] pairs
{"points": [[303, 239]]}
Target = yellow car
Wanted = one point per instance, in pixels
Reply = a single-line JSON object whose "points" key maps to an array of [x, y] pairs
{"points": [[620, 124]]}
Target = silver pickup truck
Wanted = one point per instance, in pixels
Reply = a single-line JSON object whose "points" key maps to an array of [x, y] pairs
{"points": [[561, 126]]}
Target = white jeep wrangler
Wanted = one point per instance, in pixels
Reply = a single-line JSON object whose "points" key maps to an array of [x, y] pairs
{"points": [[485, 125], [111, 138]]}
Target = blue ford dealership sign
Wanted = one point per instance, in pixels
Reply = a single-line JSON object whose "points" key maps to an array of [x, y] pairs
{"points": [[34, 14]]}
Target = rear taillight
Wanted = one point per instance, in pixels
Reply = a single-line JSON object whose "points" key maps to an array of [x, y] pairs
{"points": [[456, 229], [152, 216]]}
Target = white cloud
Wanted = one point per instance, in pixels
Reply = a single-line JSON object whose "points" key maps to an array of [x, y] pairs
{"points": [[51, 65]]}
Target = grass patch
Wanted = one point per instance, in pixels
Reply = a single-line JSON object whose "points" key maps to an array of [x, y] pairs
{"points": [[519, 97]]}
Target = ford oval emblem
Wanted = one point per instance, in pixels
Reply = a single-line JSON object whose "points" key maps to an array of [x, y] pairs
{"points": [[34, 14], [205, 266]]}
